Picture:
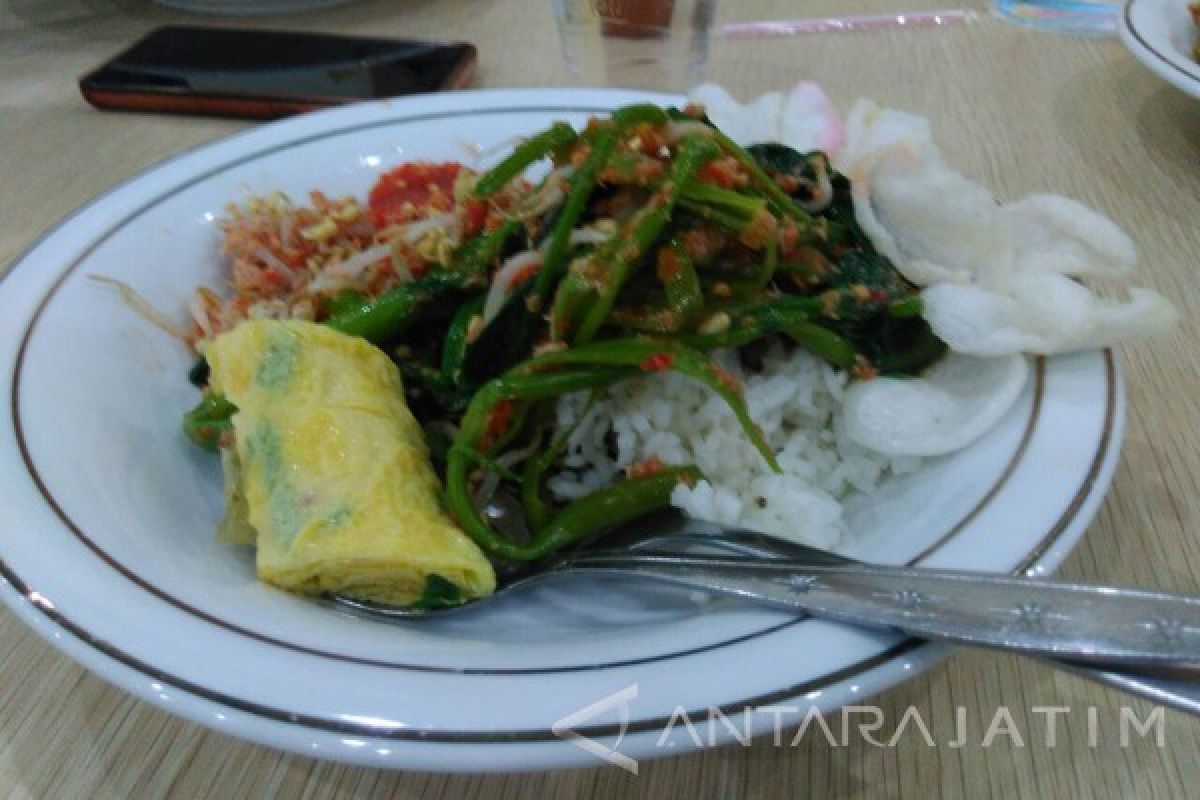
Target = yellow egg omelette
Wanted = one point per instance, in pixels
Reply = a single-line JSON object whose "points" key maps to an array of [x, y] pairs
{"points": [[329, 475]]}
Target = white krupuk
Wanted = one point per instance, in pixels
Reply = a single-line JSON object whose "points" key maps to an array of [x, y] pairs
{"points": [[805, 118], [999, 278], [952, 405]]}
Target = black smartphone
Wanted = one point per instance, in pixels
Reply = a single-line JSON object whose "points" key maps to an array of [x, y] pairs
{"points": [[266, 73]]}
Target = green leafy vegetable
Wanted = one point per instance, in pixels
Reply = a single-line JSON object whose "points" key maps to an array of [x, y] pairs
{"points": [[210, 421], [660, 240], [439, 593]]}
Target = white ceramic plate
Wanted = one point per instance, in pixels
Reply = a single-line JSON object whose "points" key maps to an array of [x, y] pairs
{"points": [[107, 547], [1161, 35]]}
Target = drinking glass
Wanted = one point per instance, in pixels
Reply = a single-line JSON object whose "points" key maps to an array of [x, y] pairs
{"points": [[643, 44]]}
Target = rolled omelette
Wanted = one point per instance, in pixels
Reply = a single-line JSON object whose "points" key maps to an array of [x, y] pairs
{"points": [[329, 475]]}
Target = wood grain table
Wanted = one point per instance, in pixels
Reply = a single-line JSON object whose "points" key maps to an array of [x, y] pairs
{"points": [[1023, 111]]}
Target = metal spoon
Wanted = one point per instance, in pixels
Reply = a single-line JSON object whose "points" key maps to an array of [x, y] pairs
{"points": [[1145, 643]]}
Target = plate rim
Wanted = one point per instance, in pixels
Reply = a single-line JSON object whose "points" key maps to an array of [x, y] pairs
{"points": [[1145, 51], [1066, 531]]}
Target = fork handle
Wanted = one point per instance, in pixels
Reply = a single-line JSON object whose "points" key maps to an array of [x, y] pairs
{"points": [[1087, 624]]}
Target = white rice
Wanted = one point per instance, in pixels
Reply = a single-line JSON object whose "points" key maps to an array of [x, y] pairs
{"points": [[795, 399]]}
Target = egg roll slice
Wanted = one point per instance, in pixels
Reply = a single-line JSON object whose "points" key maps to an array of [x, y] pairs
{"points": [[330, 469]]}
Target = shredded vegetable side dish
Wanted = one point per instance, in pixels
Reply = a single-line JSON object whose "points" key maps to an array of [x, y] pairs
{"points": [[746, 312]]}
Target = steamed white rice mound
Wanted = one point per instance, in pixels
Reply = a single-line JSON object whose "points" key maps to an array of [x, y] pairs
{"points": [[794, 399]]}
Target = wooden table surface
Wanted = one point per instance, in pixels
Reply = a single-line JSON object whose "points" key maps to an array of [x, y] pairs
{"points": [[1023, 111]]}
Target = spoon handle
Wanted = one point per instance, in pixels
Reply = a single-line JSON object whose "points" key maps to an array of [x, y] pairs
{"points": [[1094, 625]]}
